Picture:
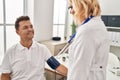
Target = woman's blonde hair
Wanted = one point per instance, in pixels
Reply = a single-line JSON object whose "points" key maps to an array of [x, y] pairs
{"points": [[85, 8]]}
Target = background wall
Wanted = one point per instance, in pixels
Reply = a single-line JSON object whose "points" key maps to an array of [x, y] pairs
{"points": [[41, 12], [69, 22], [30, 9], [110, 7]]}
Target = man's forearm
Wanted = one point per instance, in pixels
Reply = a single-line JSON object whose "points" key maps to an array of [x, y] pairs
{"points": [[62, 69], [5, 76]]}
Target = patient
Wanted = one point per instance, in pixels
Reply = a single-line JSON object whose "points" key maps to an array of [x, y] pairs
{"points": [[26, 59]]}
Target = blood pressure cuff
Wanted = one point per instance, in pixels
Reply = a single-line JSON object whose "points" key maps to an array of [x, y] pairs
{"points": [[53, 63]]}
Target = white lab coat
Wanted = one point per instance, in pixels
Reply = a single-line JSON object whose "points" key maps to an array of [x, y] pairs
{"points": [[88, 54]]}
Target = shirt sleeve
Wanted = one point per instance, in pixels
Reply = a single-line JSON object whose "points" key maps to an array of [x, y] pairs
{"points": [[5, 67], [47, 53]]}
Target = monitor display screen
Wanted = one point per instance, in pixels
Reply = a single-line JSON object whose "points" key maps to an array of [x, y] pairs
{"points": [[111, 21]]}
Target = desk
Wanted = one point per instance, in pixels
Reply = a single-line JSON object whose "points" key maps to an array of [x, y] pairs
{"points": [[54, 46]]}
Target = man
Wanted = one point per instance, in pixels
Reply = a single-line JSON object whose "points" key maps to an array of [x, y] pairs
{"points": [[26, 60]]}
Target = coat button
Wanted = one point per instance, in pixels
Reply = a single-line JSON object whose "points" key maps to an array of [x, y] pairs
{"points": [[100, 66]]}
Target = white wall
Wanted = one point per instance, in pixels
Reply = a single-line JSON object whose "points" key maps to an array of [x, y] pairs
{"points": [[110, 7], [30, 9], [42, 14]]}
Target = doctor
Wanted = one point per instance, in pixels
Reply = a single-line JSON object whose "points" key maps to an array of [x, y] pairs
{"points": [[88, 53]]}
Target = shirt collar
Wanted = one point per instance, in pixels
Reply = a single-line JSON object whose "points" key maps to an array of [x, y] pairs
{"points": [[21, 47]]}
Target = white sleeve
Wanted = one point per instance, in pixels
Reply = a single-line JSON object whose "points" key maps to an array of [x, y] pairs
{"points": [[47, 53], [5, 67], [84, 51]]}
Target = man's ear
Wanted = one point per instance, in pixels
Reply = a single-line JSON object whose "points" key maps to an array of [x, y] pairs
{"points": [[17, 31]]}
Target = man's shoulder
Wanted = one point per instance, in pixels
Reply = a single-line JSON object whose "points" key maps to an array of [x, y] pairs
{"points": [[40, 45], [12, 48]]}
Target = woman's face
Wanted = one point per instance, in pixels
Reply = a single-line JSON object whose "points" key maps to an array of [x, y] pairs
{"points": [[72, 11], [70, 8]]}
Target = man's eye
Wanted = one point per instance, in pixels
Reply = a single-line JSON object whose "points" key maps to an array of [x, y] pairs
{"points": [[31, 26], [25, 27]]}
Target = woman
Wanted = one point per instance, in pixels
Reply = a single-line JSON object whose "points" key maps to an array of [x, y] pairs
{"points": [[88, 53]]}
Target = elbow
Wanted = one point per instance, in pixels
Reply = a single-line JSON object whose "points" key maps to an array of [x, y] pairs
{"points": [[5, 76]]}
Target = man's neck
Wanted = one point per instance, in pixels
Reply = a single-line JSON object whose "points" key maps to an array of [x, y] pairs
{"points": [[26, 43]]}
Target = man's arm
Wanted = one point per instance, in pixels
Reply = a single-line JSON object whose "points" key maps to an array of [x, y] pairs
{"points": [[62, 69], [5, 76], [54, 64]]}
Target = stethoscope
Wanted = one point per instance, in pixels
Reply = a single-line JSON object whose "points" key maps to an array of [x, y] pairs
{"points": [[73, 36]]}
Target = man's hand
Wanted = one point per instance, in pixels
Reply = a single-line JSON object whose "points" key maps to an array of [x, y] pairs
{"points": [[5, 76], [62, 69]]}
